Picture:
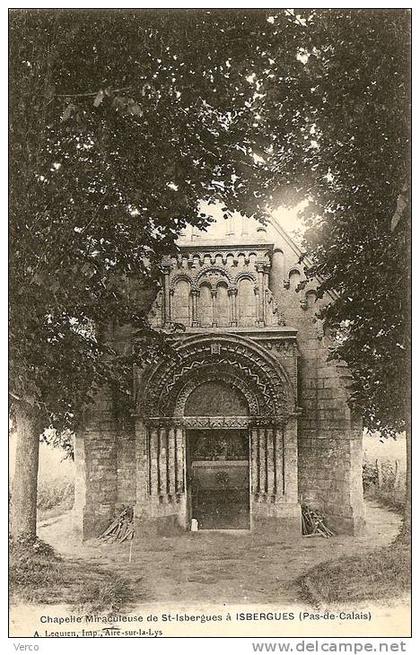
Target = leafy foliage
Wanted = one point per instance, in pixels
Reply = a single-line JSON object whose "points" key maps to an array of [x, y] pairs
{"points": [[122, 121], [118, 130], [360, 253]]}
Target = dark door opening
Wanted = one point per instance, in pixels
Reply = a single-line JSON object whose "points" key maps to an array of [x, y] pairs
{"points": [[218, 478]]}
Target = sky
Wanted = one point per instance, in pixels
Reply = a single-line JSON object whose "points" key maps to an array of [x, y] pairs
{"points": [[288, 218]]}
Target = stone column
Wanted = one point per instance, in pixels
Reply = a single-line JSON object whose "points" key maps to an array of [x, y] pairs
{"points": [[171, 462], [290, 460], [266, 288], [166, 268], [154, 464], [260, 296], [274, 463], [213, 306], [255, 481], [170, 305], [233, 310], [262, 460], [161, 498], [179, 459], [162, 463], [279, 460], [274, 478], [270, 462], [142, 468], [194, 294]]}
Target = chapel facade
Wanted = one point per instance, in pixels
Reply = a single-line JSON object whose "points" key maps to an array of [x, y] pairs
{"points": [[244, 418]]}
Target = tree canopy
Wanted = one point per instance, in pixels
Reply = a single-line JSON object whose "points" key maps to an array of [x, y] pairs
{"points": [[363, 173], [122, 121]]}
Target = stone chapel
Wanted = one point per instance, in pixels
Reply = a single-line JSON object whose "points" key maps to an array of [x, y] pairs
{"points": [[247, 419]]}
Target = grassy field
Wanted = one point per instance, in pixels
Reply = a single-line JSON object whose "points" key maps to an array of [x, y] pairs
{"points": [[39, 575], [376, 575], [384, 471]]}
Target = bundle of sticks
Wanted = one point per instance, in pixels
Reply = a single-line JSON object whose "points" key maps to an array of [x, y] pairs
{"points": [[121, 528], [313, 523]]}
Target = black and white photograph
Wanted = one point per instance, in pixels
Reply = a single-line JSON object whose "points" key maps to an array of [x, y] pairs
{"points": [[210, 323]]}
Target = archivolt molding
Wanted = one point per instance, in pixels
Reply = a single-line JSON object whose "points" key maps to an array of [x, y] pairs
{"points": [[209, 375], [181, 276], [245, 275], [195, 279], [223, 274], [269, 390]]}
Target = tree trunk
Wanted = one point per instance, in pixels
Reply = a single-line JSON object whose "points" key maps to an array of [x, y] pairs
{"points": [[25, 480], [405, 532]]}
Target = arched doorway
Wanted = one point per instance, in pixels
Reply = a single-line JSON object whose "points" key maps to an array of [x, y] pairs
{"points": [[216, 435], [217, 460]]}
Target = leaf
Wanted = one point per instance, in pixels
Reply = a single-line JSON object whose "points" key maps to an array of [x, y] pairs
{"points": [[98, 99], [119, 102], [68, 112], [135, 110]]}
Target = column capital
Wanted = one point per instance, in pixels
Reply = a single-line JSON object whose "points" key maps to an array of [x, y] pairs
{"points": [[166, 265]]}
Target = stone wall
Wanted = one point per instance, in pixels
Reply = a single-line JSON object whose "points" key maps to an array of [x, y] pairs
{"points": [[126, 466], [109, 455], [329, 434], [105, 468]]}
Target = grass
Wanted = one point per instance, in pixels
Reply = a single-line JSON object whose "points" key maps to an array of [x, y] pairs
{"points": [[388, 494], [55, 492], [54, 497], [382, 573], [54, 512], [393, 500], [39, 575]]}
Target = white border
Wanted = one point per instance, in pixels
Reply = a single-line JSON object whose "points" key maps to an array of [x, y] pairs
{"points": [[206, 646]]}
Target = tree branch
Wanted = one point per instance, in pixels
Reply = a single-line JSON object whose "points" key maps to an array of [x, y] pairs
{"points": [[89, 93]]}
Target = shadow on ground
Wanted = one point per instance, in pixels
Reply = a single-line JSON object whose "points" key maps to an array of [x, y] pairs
{"points": [[218, 567]]}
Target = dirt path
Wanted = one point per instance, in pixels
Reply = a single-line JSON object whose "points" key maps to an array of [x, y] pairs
{"points": [[219, 567]]}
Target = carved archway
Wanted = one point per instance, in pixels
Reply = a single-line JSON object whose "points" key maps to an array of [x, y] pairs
{"points": [[213, 374], [240, 361], [264, 410]]}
